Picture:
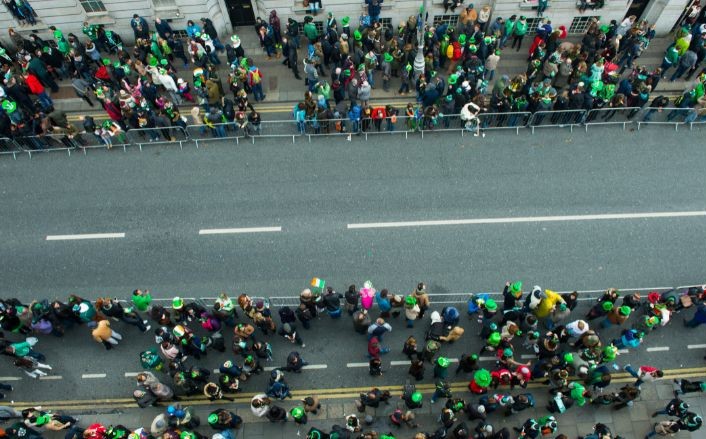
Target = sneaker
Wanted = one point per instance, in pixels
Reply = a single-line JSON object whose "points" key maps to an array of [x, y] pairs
{"points": [[626, 366], [147, 328], [303, 345]]}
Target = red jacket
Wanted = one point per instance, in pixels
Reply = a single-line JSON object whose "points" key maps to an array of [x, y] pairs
{"points": [[35, 87]]}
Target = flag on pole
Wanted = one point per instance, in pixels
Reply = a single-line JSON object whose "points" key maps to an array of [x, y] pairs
{"points": [[318, 285]]}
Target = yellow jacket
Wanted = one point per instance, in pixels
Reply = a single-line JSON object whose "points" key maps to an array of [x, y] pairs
{"points": [[547, 304]]}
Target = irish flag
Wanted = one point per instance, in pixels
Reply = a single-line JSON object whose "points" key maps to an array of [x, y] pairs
{"points": [[318, 283]]}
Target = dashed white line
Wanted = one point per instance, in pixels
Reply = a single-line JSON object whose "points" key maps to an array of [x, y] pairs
{"points": [[131, 374], [51, 377], [10, 378], [658, 349], [528, 219], [623, 351], [92, 375], [527, 356], [487, 358], [696, 346], [400, 363], [85, 236], [357, 364], [307, 367], [239, 230]]}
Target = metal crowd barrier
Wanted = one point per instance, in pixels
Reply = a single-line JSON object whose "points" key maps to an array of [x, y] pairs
{"points": [[561, 119], [198, 134], [9, 146], [611, 116], [157, 135], [663, 116]]}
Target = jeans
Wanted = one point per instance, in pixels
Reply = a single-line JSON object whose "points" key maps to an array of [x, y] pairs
{"points": [[335, 314], [371, 78], [217, 44], [257, 91], [135, 320], [680, 71], [218, 131], [634, 373], [44, 100]]}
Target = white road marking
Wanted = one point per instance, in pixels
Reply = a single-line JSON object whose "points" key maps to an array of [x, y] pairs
{"points": [[487, 358], [528, 219], [691, 346], [658, 349], [239, 230], [357, 364], [52, 377], [623, 351], [85, 236], [131, 374], [10, 378], [92, 375], [526, 356], [400, 363], [307, 367]]}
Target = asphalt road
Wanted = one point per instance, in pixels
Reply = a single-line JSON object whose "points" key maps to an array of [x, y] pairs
{"points": [[161, 198]]}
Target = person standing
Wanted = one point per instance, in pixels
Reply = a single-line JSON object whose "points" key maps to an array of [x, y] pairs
{"points": [[139, 26], [518, 32], [664, 428], [699, 317]]}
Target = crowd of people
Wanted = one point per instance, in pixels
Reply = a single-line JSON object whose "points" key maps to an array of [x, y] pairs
{"points": [[143, 87], [572, 359]]}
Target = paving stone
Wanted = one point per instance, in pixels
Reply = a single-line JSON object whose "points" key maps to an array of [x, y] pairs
{"points": [[604, 415], [334, 411], [638, 412], [585, 427], [622, 424], [665, 391]]}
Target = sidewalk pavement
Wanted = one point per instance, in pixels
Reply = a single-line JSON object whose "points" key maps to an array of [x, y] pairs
{"points": [[280, 86], [631, 422]]}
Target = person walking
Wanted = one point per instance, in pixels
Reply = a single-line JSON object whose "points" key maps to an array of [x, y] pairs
{"points": [[664, 428], [644, 373]]}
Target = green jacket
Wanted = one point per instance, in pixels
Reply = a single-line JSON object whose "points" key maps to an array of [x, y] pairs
{"points": [[509, 27], [21, 349], [142, 302], [520, 28], [310, 31], [671, 55]]}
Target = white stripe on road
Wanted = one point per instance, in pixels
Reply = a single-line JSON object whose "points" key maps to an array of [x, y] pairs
{"points": [[357, 364], [85, 236], [10, 378], [528, 219], [696, 346], [92, 375], [131, 374], [623, 351], [658, 349], [239, 230], [52, 377], [526, 356], [307, 367], [400, 363], [487, 358]]}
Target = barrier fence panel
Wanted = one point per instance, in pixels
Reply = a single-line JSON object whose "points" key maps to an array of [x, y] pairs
{"points": [[9, 146], [284, 128], [513, 120], [47, 142], [663, 116], [218, 131], [157, 135], [612, 116], [561, 119]]}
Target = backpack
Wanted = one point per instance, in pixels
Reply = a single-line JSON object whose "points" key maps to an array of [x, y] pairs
{"points": [[286, 315], [149, 359]]}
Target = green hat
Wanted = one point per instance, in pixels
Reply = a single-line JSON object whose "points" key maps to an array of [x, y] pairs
{"points": [[46, 49], [347, 73], [453, 79], [610, 352], [507, 352], [498, 52], [462, 39], [607, 306], [494, 339], [177, 303], [473, 48], [417, 397], [357, 35], [388, 57], [562, 305], [703, 386], [116, 64], [197, 83], [212, 418], [9, 106], [459, 90], [410, 300], [345, 21], [106, 62], [624, 310], [58, 34], [474, 356], [568, 357], [449, 98], [442, 361], [197, 34], [106, 124], [490, 305], [604, 28], [482, 378], [516, 287], [408, 67], [297, 413], [153, 62], [187, 435], [163, 61]]}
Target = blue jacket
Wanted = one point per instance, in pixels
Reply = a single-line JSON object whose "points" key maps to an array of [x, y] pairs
{"points": [[383, 302], [354, 113]]}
